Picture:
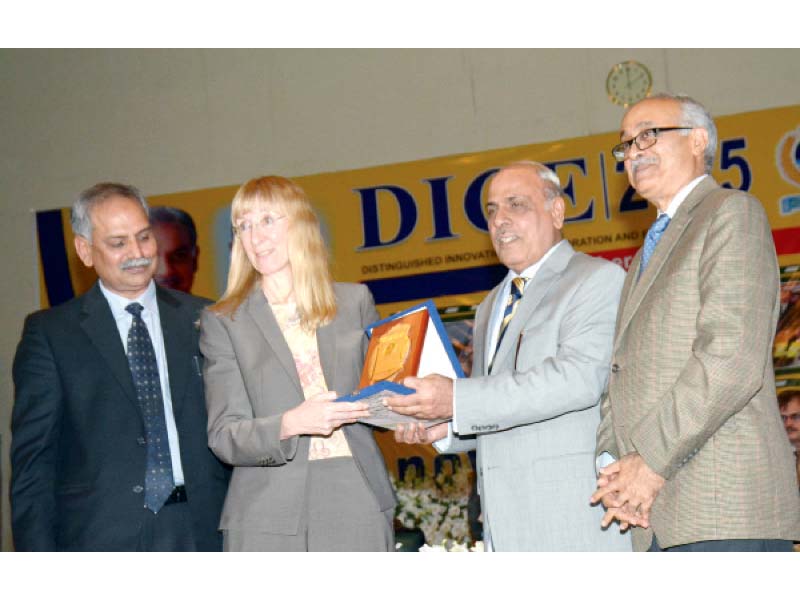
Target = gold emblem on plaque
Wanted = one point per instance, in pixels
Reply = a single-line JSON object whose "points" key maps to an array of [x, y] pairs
{"points": [[390, 353]]}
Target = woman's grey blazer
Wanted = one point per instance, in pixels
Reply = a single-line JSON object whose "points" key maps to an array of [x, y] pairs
{"points": [[251, 380]]}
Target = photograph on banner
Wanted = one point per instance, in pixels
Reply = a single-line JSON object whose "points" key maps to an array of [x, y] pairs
{"points": [[788, 390], [786, 347]]}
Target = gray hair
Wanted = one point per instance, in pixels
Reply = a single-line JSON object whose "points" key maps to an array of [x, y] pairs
{"points": [[695, 115], [81, 217], [175, 216], [552, 184]]}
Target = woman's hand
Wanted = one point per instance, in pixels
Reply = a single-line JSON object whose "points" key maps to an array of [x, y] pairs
{"points": [[319, 415]]}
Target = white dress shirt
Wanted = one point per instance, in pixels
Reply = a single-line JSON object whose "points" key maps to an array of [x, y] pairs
{"points": [[152, 321], [682, 194]]}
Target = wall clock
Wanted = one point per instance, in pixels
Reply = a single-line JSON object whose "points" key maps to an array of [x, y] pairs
{"points": [[628, 82]]}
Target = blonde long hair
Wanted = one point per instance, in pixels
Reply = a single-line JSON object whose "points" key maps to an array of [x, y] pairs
{"points": [[308, 256]]}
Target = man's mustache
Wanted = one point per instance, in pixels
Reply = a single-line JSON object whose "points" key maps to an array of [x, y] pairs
{"points": [[135, 263], [502, 232], [641, 161]]}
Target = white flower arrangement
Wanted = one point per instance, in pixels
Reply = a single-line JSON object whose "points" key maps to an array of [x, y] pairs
{"points": [[454, 547], [437, 506]]}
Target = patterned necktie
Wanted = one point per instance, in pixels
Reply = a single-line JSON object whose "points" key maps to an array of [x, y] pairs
{"points": [[651, 240], [158, 480], [517, 288]]}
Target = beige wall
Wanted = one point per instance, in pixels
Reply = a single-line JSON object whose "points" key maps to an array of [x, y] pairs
{"points": [[172, 120]]}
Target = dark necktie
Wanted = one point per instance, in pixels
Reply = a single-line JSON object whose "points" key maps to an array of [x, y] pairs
{"points": [[158, 480], [514, 296], [651, 240]]}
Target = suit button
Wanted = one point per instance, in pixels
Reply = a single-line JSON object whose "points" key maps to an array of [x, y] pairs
{"points": [[137, 489], [141, 441], [615, 368]]}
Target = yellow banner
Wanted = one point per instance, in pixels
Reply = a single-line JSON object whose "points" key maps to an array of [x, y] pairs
{"points": [[388, 224], [417, 230]]}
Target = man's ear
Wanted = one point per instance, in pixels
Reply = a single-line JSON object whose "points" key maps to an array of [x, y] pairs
{"points": [[557, 212], [84, 250], [699, 138]]}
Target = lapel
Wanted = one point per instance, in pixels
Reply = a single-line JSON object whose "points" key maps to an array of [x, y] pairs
{"points": [[677, 226], [178, 345], [98, 323], [482, 319], [535, 291], [259, 310]]}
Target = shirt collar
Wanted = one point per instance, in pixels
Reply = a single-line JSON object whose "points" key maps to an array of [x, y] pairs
{"points": [[118, 303], [682, 194], [530, 271]]}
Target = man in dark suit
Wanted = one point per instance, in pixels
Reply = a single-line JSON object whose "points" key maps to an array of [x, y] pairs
{"points": [[109, 447]]}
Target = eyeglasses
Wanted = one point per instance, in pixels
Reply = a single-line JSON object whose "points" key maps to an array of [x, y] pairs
{"points": [[265, 223], [643, 140], [794, 418]]}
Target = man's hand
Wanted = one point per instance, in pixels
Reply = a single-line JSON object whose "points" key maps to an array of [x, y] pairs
{"points": [[628, 488], [432, 398], [416, 433], [624, 514]]}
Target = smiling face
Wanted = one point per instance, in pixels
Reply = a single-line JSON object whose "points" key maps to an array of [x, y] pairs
{"points": [[521, 225], [266, 241], [123, 248], [661, 170]]}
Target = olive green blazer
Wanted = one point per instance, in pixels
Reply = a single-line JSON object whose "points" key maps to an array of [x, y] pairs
{"points": [[692, 388]]}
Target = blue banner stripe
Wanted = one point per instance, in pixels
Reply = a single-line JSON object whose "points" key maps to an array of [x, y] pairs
{"points": [[53, 252], [431, 285]]}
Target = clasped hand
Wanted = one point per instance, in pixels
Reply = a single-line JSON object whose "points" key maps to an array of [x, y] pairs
{"points": [[320, 415], [628, 488]]}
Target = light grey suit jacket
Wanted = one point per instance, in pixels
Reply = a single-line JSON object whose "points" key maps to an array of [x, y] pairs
{"points": [[692, 388], [251, 380], [535, 417]]}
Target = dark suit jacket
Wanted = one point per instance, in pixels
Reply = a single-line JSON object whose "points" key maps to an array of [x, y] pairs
{"points": [[77, 450]]}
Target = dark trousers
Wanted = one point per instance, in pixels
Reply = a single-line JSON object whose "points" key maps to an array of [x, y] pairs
{"points": [[169, 530], [727, 546]]}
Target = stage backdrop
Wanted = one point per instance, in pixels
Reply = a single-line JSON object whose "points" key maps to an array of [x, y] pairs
{"points": [[417, 230]]}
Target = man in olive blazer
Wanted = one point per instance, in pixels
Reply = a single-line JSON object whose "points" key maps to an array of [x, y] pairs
{"points": [[690, 413]]}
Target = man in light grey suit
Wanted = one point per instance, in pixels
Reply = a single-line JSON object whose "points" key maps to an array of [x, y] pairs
{"points": [[542, 348]]}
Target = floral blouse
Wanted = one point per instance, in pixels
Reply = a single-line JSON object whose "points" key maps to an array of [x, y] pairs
{"points": [[306, 358]]}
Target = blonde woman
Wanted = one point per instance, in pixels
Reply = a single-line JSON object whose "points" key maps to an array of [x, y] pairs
{"points": [[283, 342]]}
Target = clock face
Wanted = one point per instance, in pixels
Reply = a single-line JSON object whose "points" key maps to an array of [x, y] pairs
{"points": [[628, 82]]}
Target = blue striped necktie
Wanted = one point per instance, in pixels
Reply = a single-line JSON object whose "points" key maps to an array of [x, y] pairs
{"points": [[651, 240], [517, 289], [158, 480]]}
